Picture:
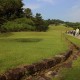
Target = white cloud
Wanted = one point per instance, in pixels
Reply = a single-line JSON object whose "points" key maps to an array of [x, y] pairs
{"points": [[32, 6], [74, 13]]}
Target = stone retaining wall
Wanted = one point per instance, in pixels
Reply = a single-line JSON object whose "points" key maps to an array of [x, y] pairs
{"points": [[18, 73]]}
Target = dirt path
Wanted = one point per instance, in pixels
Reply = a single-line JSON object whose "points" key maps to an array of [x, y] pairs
{"points": [[75, 36], [78, 37], [53, 72]]}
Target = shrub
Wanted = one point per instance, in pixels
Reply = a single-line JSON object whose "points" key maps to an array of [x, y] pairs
{"points": [[15, 26], [24, 20], [22, 24]]}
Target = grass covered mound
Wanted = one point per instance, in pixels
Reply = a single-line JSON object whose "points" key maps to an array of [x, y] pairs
{"points": [[22, 48]]}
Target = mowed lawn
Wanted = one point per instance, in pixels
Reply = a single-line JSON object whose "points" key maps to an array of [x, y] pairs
{"points": [[22, 48]]}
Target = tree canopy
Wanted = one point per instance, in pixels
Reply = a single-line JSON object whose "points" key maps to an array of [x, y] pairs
{"points": [[28, 12], [10, 9]]}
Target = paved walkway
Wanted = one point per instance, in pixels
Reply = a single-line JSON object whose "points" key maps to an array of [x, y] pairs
{"points": [[79, 36], [75, 36]]}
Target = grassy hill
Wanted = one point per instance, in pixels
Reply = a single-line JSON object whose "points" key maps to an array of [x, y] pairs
{"points": [[22, 48]]}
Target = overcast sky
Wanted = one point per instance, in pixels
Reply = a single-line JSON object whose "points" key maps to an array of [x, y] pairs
{"points": [[68, 10]]}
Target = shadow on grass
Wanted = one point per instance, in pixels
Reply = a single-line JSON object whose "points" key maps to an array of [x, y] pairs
{"points": [[22, 40], [28, 40]]}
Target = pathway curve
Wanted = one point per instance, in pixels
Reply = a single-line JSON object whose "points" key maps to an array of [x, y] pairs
{"points": [[75, 36], [78, 37]]}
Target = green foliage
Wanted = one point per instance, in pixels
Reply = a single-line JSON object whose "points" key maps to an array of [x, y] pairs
{"points": [[12, 12], [18, 25], [25, 21], [24, 24], [10, 9], [40, 24], [54, 21], [28, 13], [73, 25]]}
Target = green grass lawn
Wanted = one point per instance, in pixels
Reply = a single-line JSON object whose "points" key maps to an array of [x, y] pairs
{"points": [[22, 48], [73, 73]]}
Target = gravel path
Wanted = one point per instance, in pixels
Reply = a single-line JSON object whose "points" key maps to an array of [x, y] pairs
{"points": [[75, 36], [78, 37]]}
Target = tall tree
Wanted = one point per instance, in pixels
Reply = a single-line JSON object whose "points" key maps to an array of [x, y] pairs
{"points": [[10, 8], [40, 23], [38, 18], [28, 12]]}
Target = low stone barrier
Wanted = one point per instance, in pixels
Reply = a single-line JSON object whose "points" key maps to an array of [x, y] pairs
{"points": [[18, 73], [14, 74], [40, 66], [3, 77], [68, 53]]}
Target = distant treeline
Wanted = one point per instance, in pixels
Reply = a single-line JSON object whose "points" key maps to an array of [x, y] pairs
{"points": [[13, 17], [74, 25], [56, 22]]}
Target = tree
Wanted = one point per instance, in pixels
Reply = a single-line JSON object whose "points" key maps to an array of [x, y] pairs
{"points": [[72, 24], [28, 13], [11, 9], [40, 23], [38, 19]]}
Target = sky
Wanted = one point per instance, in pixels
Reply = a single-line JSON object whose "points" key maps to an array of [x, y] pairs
{"points": [[67, 10]]}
